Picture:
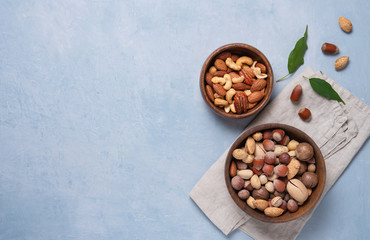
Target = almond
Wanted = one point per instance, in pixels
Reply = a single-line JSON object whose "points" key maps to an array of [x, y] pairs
{"points": [[220, 65], [219, 73], [210, 93], [234, 57], [255, 97], [224, 55], [260, 204], [345, 24], [262, 67], [209, 78], [233, 169], [251, 105], [341, 63], [219, 89], [273, 211], [240, 86], [258, 85]]}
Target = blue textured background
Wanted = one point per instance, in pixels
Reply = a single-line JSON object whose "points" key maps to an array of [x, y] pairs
{"points": [[103, 131]]}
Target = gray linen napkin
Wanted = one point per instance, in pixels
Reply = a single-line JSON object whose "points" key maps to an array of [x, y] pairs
{"points": [[339, 130]]}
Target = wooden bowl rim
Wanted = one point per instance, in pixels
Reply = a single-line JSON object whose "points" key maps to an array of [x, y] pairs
{"points": [[270, 80], [316, 193]]}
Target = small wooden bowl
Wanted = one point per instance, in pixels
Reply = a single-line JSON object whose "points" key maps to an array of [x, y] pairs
{"points": [[240, 49], [310, 203]]}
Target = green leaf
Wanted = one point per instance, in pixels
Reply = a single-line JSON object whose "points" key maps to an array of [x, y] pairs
{"points": [[296, 55], [295, 59], [324, 89]]}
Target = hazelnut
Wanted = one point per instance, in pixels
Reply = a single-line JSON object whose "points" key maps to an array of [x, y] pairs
{"points": [[258, 163], [243, 194], [237, 183], [279, 185], [268, 145], [285, 140], [284, 158], [270, 157], [304, 114], [248, 185], [267, 135], [283, 205], [241, 165], [304, 151], [292, 206], [281, 170], [268, 169], [261, 193], [278, 135], [257, 171], [310, 179]]}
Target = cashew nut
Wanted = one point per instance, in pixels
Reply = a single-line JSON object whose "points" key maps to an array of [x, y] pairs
{"points": [[228, 82], [231, 64], [244, 59], [227, 108], [221, 102], [238, 79], [247, 92], [232, 107], [212, 69], [219, 80], [257, 71], [230, 94]]}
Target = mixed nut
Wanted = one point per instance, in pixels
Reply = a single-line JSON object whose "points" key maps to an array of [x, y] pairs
{"points": [[273, 173], [236, 83]]}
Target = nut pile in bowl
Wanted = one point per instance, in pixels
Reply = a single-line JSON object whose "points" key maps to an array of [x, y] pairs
{"points": [[236, 83], [275, 173]]}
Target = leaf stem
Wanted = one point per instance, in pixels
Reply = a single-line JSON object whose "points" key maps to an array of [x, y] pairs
{"points": [[283, 77], [306, 77]]}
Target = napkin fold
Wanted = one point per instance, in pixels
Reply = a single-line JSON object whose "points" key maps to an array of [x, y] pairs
{"points": [[339, 130]]}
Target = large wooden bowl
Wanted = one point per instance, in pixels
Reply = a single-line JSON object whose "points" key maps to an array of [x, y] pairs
{"points": [[240, 49], [310, 203]]}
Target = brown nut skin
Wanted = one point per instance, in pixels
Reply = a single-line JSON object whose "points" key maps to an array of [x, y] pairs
{"points": [[284, 158], [268, 169], [209, 77], [267, 135], [278, 134], [281, 170], [248, 185], [219, 89], [310, 179], [258, 163], [243, 194], [237, 183], [220, 65], [304, 114], [304, 151], [241, 165], [210, 93], [268, 145], [261, 193], [240, 86], [219, 73], [296, 93], [232, 169], [284, 141], [270, 157], [292, 206], [279, 185], [329, 48]]}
